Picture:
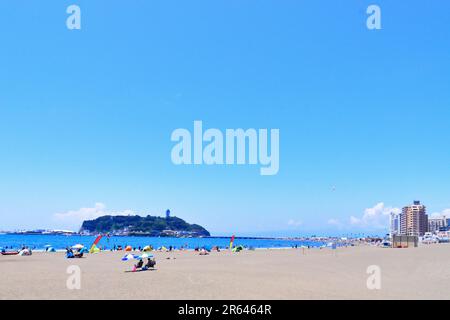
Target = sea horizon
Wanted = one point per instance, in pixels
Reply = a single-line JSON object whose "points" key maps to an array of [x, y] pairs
{"points": [[59, 242]]}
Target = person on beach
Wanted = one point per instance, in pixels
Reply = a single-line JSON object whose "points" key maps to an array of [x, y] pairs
{"points": [[150, 263], [138, 265], [69, 253]]}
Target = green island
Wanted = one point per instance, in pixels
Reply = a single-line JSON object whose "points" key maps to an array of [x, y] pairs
{"points": [[143, 226]]}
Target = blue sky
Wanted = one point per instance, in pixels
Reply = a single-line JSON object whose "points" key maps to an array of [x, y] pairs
{"points": [[86, 115]]}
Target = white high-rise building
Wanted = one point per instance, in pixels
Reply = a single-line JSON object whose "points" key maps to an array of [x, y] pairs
{"points": [[395, 224]]}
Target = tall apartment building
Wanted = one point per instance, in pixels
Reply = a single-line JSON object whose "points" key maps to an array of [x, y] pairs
{"points": [[414, 220]]}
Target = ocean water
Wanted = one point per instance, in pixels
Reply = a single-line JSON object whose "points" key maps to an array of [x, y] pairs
{"points": [[38, 242]]}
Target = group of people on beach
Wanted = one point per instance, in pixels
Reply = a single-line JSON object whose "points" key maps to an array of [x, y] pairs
{"points": [[140, 265], [70, 253]]}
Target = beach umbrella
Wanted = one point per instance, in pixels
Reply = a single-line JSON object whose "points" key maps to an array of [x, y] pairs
{"points": [[25, 252], [145, 256], [78, 246], [147, 248], [129, 257]]}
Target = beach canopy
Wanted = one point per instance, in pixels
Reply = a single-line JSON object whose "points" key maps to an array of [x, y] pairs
{"points": [[129, 257], [94, 250], [147, 248], [84, 250], [78, 246], [145, 256]]}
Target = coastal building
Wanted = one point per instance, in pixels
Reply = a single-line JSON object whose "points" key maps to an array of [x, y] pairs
{"points": [[436, 224], [414, 220], [395, 224]]}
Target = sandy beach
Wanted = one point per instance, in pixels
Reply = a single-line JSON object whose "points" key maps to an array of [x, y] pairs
{"points": [[415, 273]]}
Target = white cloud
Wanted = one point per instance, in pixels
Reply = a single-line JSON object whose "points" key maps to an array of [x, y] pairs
{"points": [[74, 218], [295, 223], [445, 212], [375, 217]]}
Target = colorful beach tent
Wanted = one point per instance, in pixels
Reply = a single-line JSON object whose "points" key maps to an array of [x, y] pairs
{"points": [[147, 248], [128, 248], [94, 248]]}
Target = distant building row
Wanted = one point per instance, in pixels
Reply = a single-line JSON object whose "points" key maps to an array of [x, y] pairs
{"points": [[414, 221]]}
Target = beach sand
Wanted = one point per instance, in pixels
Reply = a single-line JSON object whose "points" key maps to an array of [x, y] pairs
{"points": [[414, 273]]}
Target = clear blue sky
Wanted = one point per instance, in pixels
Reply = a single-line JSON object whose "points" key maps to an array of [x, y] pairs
{"points": [[86, 115]]}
